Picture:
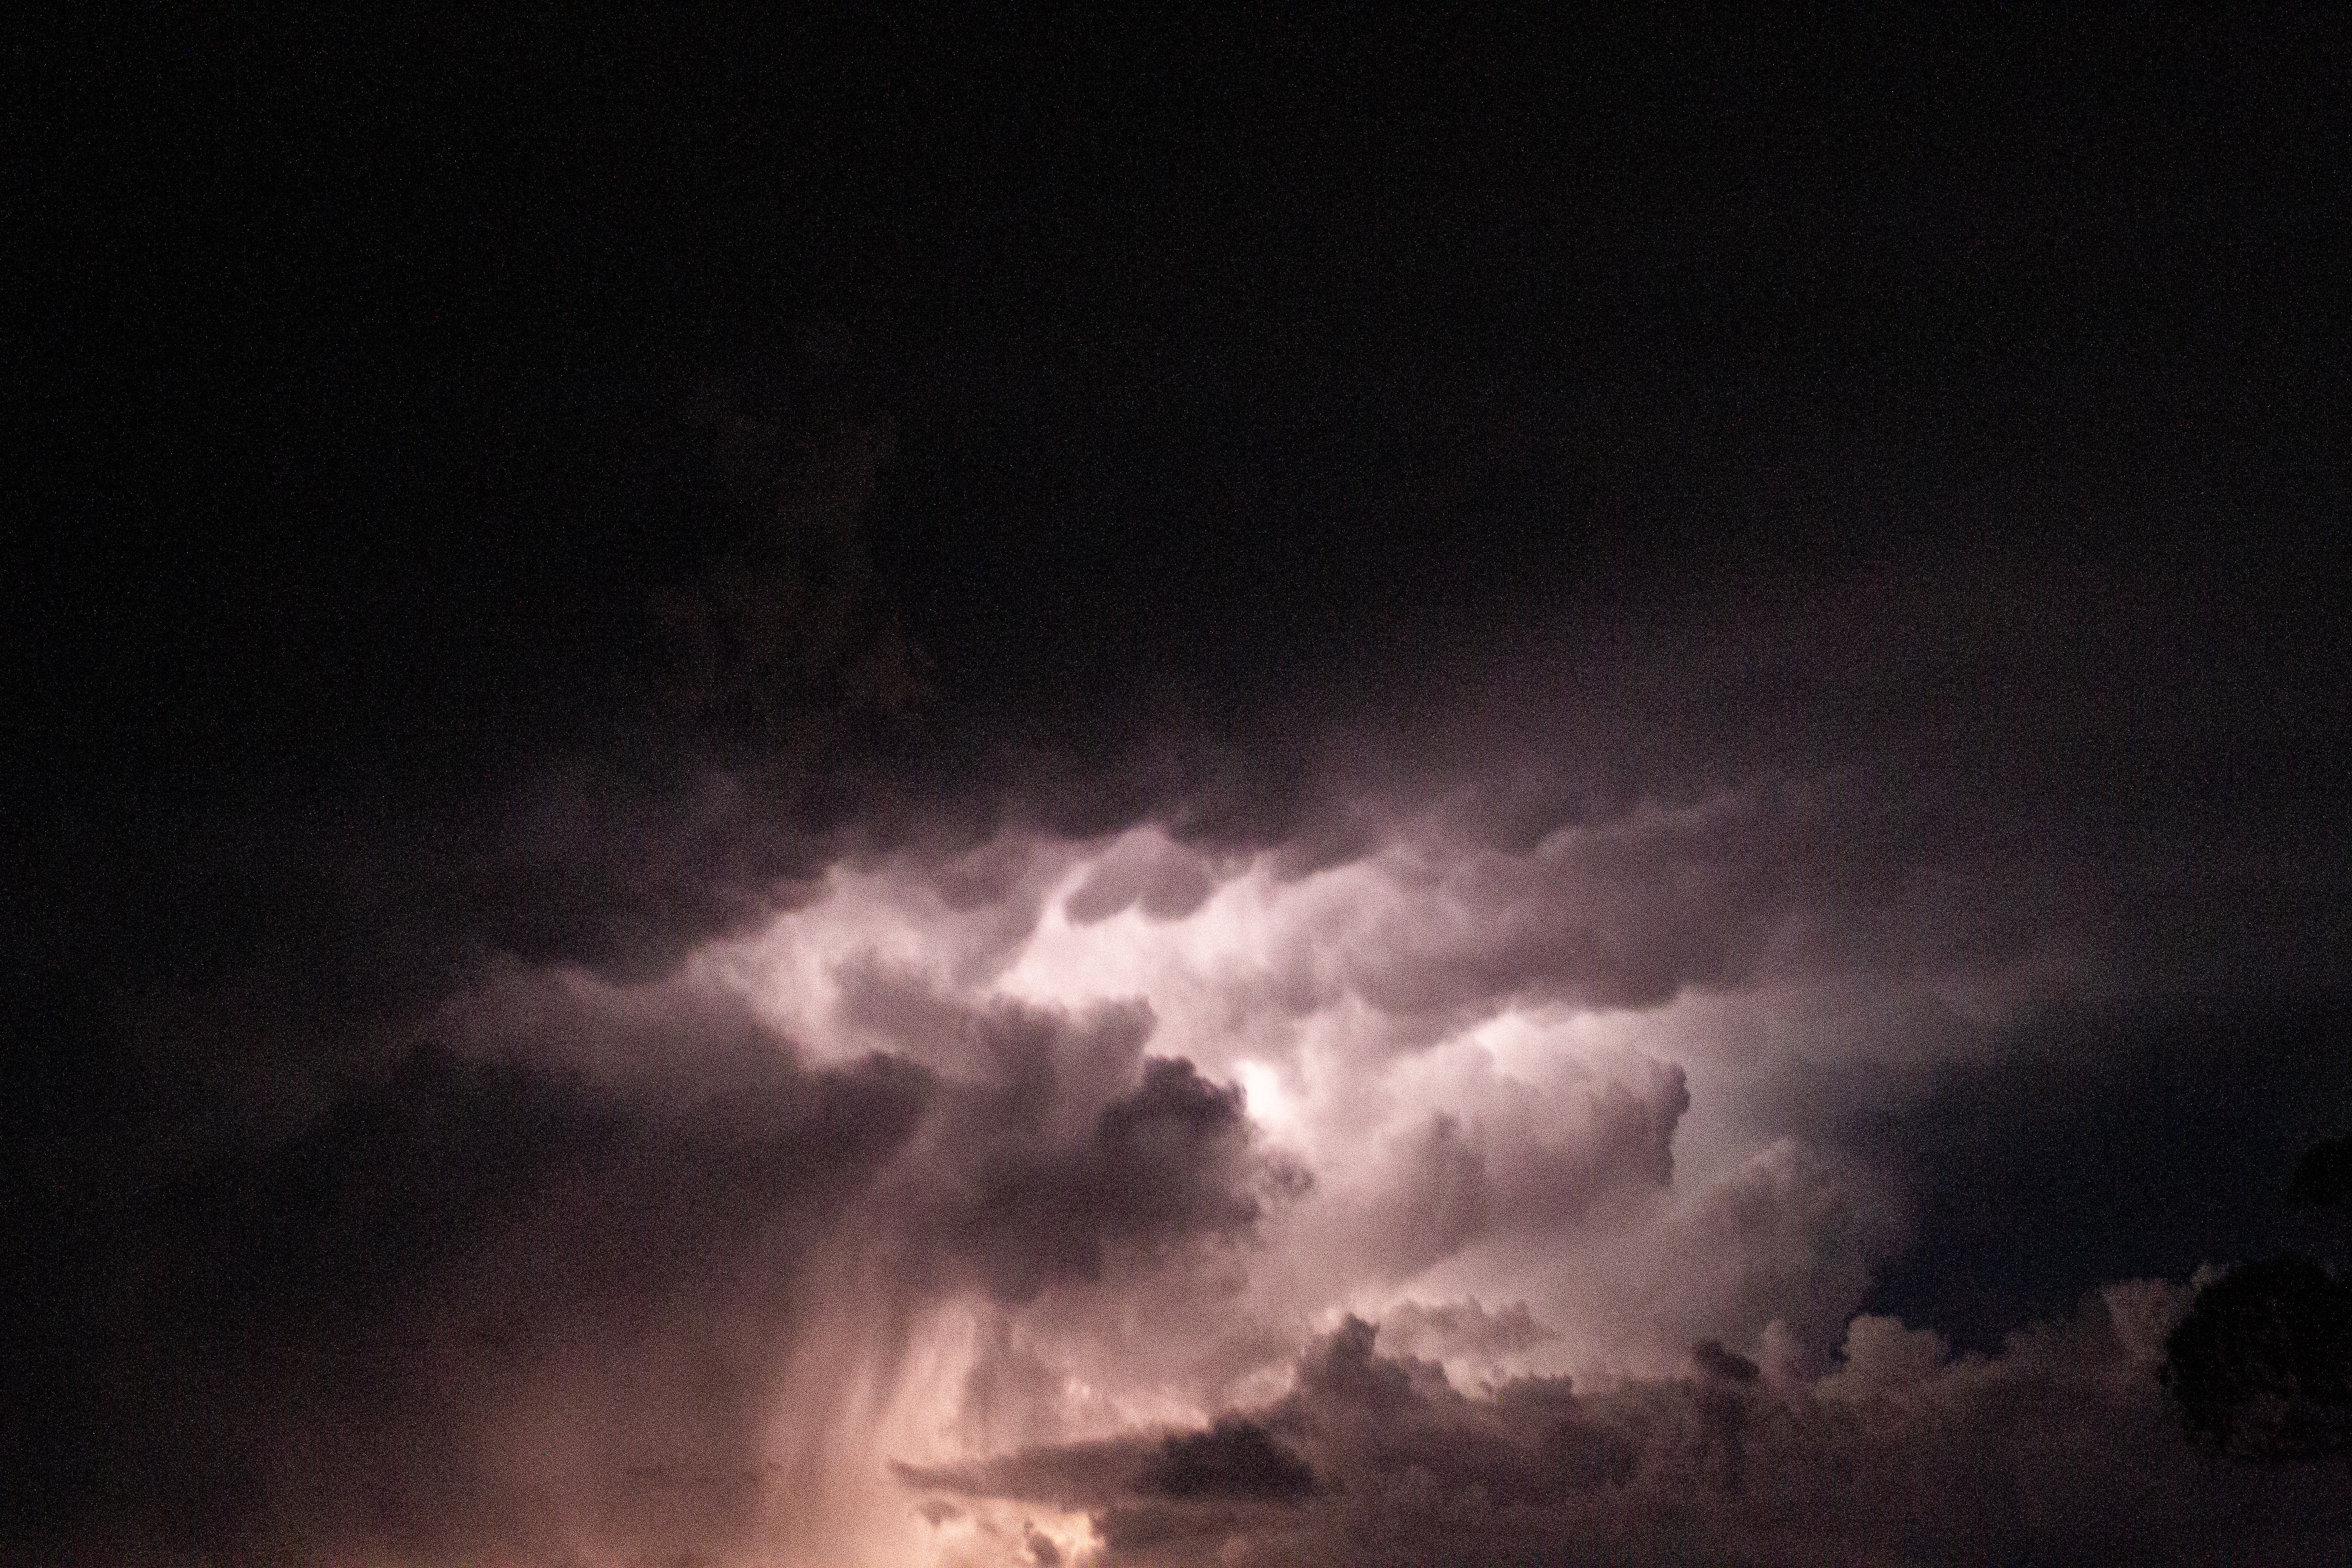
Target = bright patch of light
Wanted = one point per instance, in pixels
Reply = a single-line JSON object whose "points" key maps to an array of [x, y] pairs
{"points": [[1269, 1105], [1529, 1043]]}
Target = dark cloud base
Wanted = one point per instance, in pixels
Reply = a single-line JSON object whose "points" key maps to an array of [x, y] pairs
{"points": [[2060, 1448]]}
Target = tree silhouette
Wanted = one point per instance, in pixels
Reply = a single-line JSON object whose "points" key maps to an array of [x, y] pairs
{"points": [[2262, 1364], [2323, 1177]]}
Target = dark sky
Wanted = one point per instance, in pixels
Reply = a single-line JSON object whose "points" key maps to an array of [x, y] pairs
{"points": [[1683, 676], [1212, 353]]}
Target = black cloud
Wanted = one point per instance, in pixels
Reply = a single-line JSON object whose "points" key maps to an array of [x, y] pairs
{"points": [[1234, 1459]]}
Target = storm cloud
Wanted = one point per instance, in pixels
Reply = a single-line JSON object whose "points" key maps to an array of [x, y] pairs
{"points": [[536, 1284], [1107, 794], [2058, 1447]]}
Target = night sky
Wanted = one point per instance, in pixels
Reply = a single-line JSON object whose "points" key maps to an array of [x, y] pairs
{"points": [[1116, 792]]}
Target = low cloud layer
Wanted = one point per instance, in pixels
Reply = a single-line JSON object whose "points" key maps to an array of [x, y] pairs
{"points": [[2058, 1449]]}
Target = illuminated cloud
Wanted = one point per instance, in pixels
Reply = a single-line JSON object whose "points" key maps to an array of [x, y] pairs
{"points": [[1028, 1164], [2059, 1446], [1388, 817]]}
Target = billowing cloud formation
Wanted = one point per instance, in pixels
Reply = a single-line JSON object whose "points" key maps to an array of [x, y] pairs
{"points": [[1380, 815], [2058, 1449], [641, 1163], [540, 1287], [1463, 1328]]}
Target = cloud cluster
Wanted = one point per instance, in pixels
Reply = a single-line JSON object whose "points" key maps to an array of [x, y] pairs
{"points": [[634, 1165], [1465, 1332], [538, 1288], [2057, 1448]]}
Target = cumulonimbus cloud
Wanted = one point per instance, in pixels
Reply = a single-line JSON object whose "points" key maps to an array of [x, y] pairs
{"points": [[643, 1165]]}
